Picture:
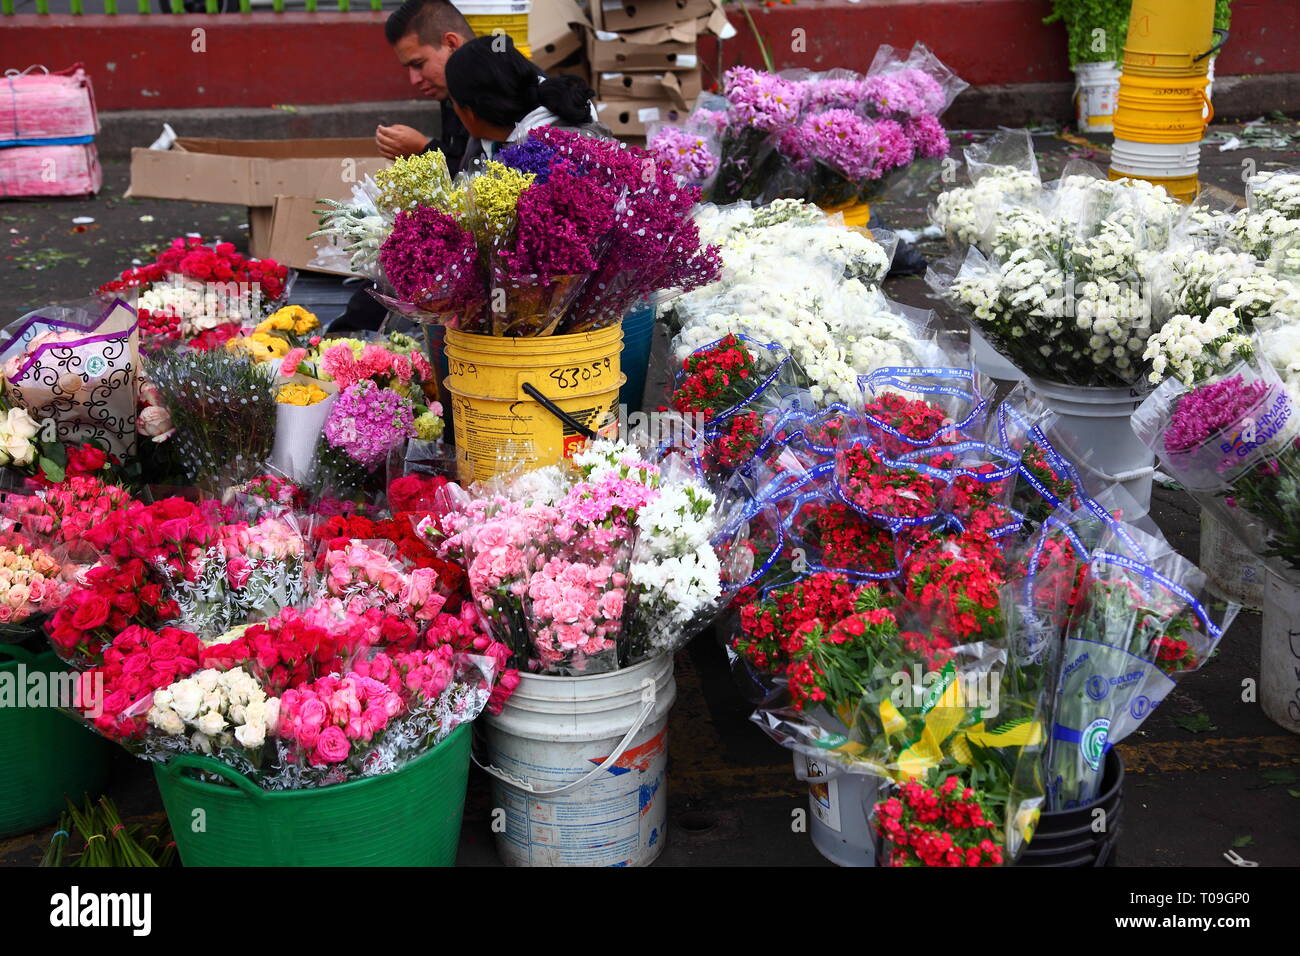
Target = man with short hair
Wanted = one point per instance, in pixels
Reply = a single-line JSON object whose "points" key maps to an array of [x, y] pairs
{"points": [[424, 34]]}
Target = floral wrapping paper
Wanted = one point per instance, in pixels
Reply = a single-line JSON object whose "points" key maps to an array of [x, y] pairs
{"points": [[77, 366]]}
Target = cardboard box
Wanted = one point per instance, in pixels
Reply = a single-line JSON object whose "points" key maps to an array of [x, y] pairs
{"points": [[574, 65], [659, 49], [252, 172], [628, 118], [555, 31], [279, 180], [617, 15], [682, 88]]}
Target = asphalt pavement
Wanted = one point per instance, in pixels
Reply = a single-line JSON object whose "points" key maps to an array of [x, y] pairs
{"points": [[1208, 773]]}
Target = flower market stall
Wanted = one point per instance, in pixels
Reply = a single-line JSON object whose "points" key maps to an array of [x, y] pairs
{"points": [[314, 579]]}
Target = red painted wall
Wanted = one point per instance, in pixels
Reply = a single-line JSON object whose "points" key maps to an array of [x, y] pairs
{"points": [[262, 59]]}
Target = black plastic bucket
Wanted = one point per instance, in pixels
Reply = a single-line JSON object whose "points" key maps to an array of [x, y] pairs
{"points": [[1066, 838]]}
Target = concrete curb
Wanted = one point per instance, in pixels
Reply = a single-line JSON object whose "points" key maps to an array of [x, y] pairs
{"points": [[983, 107]]}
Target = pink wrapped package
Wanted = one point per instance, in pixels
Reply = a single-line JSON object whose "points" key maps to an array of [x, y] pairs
{"points": [[50, 171], [37, 106]]}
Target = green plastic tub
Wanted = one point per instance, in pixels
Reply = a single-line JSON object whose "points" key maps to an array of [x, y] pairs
{"points": [[407, 818], [45, 754]]}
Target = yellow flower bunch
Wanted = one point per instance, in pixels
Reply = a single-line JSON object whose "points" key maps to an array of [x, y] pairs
{"points": [[260, 346], [300, 394], [494, 196], [292, 318], [421, 180]]}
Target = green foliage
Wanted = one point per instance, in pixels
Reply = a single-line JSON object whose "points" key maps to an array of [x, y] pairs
{"points": [[1082, 18]]}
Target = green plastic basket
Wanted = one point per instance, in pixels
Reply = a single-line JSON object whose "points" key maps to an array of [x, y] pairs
{"points": [[407, 818], [45, 754]]}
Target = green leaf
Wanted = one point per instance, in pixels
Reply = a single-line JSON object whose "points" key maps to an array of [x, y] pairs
{"points": [[1242, 841], [1294, 793], [52, 470], [1196, 724]]}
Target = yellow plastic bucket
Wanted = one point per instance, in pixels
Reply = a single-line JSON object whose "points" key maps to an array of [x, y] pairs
{"points": [[1163, 27], [1162, 110], [501, 388], [513, 24], [855, 213], [1182, 188]]}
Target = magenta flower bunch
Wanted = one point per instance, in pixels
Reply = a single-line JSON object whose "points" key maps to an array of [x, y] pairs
{"points": [[560, 224], [431, 260], [1207, 410], [903, 93]]}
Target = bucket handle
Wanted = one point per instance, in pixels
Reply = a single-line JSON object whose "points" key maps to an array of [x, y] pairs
{"points": [[1221, 37], [648, 695], [1209, 106], [535, 394], [180, 762]]}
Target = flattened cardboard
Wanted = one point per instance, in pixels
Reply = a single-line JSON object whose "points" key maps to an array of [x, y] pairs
{"points": [[251, 172], [639, 14]]}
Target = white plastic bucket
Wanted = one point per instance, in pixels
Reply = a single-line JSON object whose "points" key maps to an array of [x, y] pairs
{"points": [[578, 764], [839, 811], [1096, 92], [991, 362], [494, 8], [1158, 160], [1232, 572], [1095, 424], [1279, 653]]}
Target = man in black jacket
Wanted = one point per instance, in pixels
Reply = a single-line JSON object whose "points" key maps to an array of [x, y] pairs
{"points": [[424, 34]]}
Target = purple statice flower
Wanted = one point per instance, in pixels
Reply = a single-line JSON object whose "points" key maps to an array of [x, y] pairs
{"points": [[530, 156], [893, 149], [558, 226], [927, 135], [839, 94], [685, 154], [367, 422], [840, 139], [761, 100], [430, 257], [1207, 410]]}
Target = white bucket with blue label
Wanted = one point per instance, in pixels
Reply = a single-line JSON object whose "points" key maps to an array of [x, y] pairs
{"points": [[579, 765], [839, 808]]}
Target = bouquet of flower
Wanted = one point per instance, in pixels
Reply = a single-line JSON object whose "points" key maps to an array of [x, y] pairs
{"points": [[1073, 272], [382, 403], [791, 279], [558, 234], [828, 138], [598, 564], [1233, 444], [222, 406], [192, 290]]}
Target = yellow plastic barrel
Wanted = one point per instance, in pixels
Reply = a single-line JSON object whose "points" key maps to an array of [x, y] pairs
{"points": [[1182, 188], [1162, 110], [500, 388], [513, 24], [1167, 36]]}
